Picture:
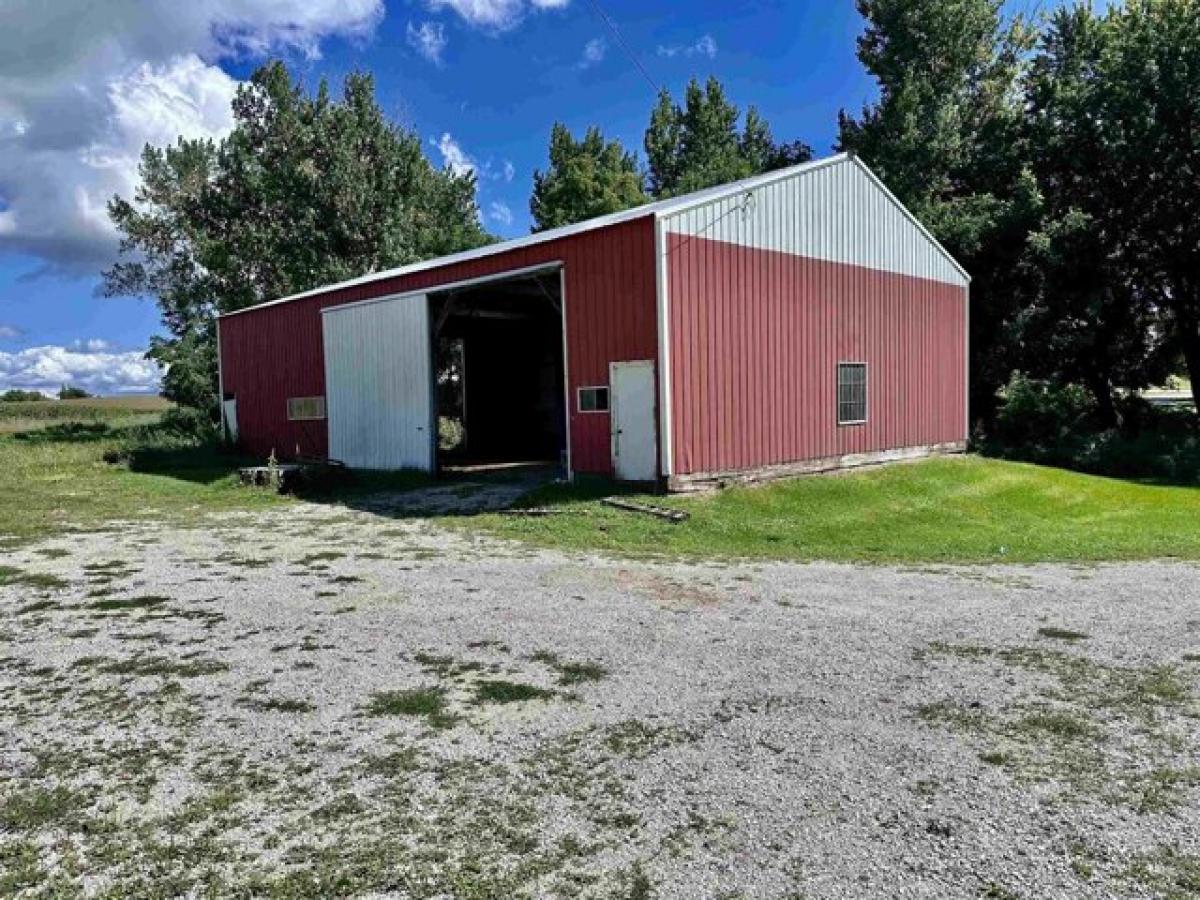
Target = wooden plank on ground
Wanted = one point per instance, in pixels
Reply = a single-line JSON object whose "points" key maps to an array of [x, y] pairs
{"points": [[674, 516]]}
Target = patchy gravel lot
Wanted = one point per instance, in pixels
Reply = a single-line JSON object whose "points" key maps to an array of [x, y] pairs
{"points": [[328, 702]]}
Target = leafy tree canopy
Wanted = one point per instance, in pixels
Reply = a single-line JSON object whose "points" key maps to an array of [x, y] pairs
{"points": [[698, 145], [586, 178], [1149, 110], [689, 148], [306, 190]]}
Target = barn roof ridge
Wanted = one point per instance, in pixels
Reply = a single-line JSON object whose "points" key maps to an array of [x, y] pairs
{"points": [[656, 209]]}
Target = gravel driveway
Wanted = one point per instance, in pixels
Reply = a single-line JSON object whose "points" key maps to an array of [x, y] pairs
{"points": [[322, 702]]}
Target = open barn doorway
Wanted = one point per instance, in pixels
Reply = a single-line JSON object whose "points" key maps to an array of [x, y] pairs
{"points": [[499, 359]]}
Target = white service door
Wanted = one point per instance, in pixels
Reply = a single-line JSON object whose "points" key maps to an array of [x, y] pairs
{"points": [[634, 450], [379, 384]]}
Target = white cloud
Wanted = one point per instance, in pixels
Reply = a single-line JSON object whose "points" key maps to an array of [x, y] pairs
{"points": [[510, 171], [10, 331], [428, 39], [78, 103], [453, 155], [92, 345], [494, 15], [594, 52], [706, 46], [500, 213], [48, 368]]}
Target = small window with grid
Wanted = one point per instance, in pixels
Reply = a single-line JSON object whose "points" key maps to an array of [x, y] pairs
{"points": [[302, 409], [852, 393]]}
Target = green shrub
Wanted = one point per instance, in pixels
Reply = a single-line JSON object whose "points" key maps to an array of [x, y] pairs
{"points": [[189, 422], [1041, 414], [1053, 424]]}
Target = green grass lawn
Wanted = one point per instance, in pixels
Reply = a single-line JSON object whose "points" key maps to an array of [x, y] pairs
{"points": [[58, 474], [54, 477], [947, 510]]}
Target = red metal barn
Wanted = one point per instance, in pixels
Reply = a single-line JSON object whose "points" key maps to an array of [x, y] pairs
{"points": [[795, 321]]}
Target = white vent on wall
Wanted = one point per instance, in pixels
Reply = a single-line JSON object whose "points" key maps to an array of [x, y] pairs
{"points": [[301, 409]]}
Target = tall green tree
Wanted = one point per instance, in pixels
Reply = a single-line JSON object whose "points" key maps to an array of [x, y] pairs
{"points": [[1150, 74], [1091, 320], [947, 134], [306, 190], [586, 178], [699, 145]]}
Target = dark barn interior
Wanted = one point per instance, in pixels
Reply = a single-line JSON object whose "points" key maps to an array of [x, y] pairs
{"points": [[499, 363]]}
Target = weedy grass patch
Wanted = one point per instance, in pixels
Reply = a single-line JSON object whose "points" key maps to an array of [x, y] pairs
{"points": [[1087, 725], [10, 575], [428, 703], [499, 690], [570, 672], [81, 465], [111, 604]]}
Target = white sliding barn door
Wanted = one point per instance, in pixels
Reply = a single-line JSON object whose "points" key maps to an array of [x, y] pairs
{"points": [[379, 384]]}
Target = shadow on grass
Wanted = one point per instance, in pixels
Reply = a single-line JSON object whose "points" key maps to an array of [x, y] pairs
{"points": [[1136, 466], [418, 495], [585, 488], [202, 463]]}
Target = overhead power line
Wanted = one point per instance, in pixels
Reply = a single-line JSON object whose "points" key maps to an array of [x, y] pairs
{"points": [[603, 16]]}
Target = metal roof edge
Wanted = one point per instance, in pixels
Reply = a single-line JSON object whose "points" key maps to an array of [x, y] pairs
{"points": [[529, 240], [657, 209]]}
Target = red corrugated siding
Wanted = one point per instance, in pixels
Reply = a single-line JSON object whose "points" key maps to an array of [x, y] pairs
{"points": [[756, 336], [273, 353]]}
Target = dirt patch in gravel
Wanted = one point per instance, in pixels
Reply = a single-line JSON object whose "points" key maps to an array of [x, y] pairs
{"points": [[330, 702]]}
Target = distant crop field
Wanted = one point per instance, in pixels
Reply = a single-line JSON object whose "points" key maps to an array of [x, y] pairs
{"points": [[22, 415]]}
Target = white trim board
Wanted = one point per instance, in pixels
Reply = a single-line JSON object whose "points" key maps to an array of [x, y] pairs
{"points": [[662, 291]]}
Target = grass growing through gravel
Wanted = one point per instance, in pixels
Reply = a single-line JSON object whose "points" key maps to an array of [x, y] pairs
{"points": [[1062, 634], [110, 604], [1080, 726], [570, 672], [277, 704], [38, 807], [143, 666], [498, 690], [1170, 873], [944, 510], [428, 703], [13, 576]]}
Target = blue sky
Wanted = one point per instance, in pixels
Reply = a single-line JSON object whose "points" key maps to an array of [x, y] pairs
{"points": [[480, 80]]}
